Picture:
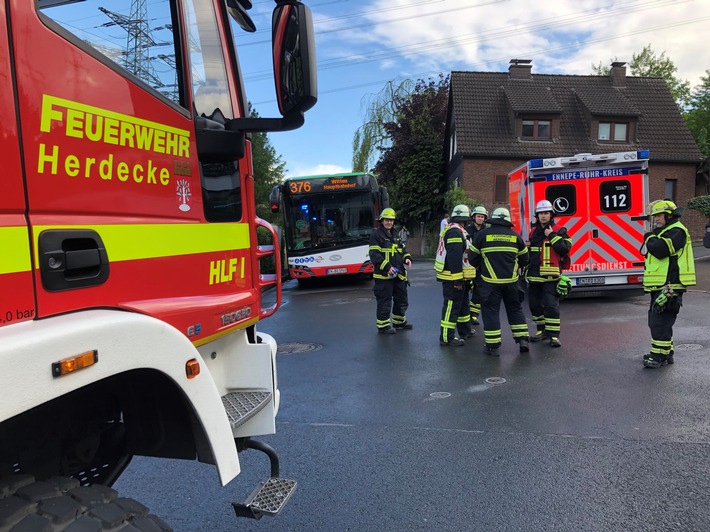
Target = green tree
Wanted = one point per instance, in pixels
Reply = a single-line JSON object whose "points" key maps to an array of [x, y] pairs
{"points": [[379, 109], [269, 170], [697, 114], [411, 162], [647, 64], [457, 196]]}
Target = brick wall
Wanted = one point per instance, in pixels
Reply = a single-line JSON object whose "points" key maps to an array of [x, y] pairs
{"points": [[684, 175]]}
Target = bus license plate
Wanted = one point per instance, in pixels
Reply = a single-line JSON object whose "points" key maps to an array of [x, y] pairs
{"points": [[333, 271], [590, 280]]}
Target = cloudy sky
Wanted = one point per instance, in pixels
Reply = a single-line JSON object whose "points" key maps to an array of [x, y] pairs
{"points": [[363, 44]]}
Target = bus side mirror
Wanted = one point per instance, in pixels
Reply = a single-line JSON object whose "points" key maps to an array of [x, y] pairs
{"points": [[385, 197], [275, 198]]}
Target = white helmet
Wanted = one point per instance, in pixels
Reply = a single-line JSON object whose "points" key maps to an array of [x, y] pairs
{"points": [[501, 213], [461, 213], [480, 209], [544, 206]]}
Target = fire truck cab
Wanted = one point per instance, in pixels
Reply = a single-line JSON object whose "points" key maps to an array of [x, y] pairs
{"points": [[601, 200], [131, 277]]}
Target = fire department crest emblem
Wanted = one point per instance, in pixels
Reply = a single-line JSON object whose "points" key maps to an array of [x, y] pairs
{"points": [[183, 194]]}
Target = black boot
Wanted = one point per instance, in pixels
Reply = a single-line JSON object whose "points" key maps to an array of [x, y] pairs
{"points": [[654, 361]]}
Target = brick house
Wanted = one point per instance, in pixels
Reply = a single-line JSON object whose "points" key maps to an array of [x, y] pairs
{"points": [[498, 120]]}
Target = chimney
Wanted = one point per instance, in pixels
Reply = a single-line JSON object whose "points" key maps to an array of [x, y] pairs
{"points": [[520, 69], [618, 74]]}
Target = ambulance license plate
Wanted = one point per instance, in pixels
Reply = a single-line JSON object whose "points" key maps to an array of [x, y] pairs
{"points": [[333, 271], [590, 280]]}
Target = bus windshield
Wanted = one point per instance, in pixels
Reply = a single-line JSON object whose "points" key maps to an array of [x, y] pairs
{"points": [[328, 220]]}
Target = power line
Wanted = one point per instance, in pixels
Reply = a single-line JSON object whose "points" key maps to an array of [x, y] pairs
{"points": [[422, 75], [496, 33]]}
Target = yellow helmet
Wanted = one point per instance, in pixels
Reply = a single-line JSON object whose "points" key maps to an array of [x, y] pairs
{"points": [[387, 214], [662, 206]]}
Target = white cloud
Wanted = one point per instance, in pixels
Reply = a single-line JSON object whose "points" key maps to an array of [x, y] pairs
{"points": [[298, 170], [561, 37]]}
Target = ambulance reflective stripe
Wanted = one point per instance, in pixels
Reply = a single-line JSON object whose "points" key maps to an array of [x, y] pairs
{"points": [[16, 250], [126, 242], [614, 243]]}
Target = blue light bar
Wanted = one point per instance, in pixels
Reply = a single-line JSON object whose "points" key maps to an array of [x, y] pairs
{"points": [[643, 154], [536, 163]]}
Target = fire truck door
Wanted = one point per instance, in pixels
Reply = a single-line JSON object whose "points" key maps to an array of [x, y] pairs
{"points": [[16, 288], [616, 220]]}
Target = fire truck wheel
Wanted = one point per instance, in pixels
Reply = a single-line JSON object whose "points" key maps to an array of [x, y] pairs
{"points": [[59, 502]]}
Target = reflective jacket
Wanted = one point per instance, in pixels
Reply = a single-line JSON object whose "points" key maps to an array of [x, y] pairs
{"points": [[547, 253], [669, 258], [452, 255], [386, 251], [499, 252]]}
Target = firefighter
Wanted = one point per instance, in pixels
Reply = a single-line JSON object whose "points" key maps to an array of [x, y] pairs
{"points": [[499, 253], [549, 255], [454, 273], [390, 260], [669, 269], [478, 220]]}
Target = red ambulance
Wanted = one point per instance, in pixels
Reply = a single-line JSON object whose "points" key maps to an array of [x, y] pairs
{"points": [[601, 200]]}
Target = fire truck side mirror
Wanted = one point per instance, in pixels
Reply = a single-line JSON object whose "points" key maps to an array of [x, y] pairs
{"points": [[294, 57], [215, 143], [293, 51]]}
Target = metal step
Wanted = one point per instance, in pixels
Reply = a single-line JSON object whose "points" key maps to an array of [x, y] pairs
{"points": [[268, 499], [241, 406]]}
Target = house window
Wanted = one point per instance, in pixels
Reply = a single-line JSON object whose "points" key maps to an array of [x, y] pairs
{"points": [[501, 190], [669, 189], [613, 132], [536, 129]]}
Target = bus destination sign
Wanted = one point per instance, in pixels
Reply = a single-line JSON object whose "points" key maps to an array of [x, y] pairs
{"points": [[327, 184]]}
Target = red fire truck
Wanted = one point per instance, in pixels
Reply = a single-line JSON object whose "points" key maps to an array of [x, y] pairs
{"points": [[601, 200], [131, 280]]}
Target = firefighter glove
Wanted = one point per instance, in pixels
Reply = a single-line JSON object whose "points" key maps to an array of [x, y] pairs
{"points": [[564, 285]]}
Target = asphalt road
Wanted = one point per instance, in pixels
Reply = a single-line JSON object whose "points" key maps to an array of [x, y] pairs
{"points": [[394, 433]]}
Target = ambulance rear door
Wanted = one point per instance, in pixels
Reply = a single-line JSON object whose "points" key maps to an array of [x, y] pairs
{"points": [[617, 197]]}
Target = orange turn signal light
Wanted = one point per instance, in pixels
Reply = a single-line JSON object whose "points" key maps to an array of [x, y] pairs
{"points": [[192, 368], [75, 363]]}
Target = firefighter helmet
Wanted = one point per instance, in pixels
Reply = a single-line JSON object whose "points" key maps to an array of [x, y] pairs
{"points": [[461, 213], [480, 209], [387, 214], [544, 206], [501, 213], [662, 206]]}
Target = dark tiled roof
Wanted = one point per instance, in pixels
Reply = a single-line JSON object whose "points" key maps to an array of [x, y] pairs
{"points": [[608, 101], [528, 98], [482, 102]]}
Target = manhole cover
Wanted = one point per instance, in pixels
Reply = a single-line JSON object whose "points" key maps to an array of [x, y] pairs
{"points": [[495, 380], [298, 347], [687, 347], [440, 395]]}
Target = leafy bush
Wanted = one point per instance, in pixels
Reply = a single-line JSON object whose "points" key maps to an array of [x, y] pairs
{"points": [[700, 204], [457, 196]]}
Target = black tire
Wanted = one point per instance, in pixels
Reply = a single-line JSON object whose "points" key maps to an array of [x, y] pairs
{"points": [[60, 503]]}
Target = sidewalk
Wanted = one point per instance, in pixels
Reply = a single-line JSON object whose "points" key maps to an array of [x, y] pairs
{"points": [[700, 252]]}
